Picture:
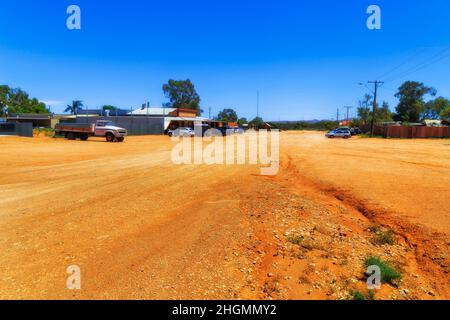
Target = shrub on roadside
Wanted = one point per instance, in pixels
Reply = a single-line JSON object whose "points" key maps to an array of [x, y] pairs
{"points": [[295, 239], [359, 296], [388, 273], [48, 132], [383, 236]]}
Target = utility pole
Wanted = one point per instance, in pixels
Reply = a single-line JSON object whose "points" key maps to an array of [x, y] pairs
{"points": [[337, 116], [209, 113], [376, 83], [348, 112]]}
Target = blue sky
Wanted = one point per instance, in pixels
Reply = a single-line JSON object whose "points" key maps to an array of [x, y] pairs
{"points": [[305, 57]]}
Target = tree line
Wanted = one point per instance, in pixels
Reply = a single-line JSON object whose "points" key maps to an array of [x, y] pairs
{"points": [[412, 107], [18, 101]]}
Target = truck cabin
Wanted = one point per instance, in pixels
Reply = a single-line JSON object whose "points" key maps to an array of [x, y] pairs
{"points": [[104, 123]]}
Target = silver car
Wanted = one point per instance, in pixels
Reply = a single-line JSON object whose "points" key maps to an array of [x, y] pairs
{"points": [[339, 133], [182, 132]]}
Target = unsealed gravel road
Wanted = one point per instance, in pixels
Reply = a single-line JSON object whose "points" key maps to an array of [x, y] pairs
{"points": [[140, 227]]}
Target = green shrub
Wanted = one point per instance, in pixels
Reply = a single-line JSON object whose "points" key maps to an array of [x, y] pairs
{"points": [[388, 273], [383, 237], [295, 239], [358, 295]]}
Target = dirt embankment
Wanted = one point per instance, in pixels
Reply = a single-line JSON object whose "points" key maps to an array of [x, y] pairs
{"points": [[142, 228]]}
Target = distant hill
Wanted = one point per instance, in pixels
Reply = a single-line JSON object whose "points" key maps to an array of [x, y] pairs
{"points": [[305, 125]]}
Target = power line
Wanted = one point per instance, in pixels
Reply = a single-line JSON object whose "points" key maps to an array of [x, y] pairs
{"points": [[365, 85], [416, 53], [388, 88], [441, 55]]}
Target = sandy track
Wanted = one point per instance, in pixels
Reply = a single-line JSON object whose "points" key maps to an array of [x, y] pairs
{"points": [[140, 227]]}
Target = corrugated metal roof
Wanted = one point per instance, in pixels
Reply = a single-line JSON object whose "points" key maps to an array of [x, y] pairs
{"points": [[152, 111], [28, 116]]}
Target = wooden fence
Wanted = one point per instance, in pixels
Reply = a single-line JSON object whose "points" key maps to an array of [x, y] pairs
{"points": [[411, 132]]}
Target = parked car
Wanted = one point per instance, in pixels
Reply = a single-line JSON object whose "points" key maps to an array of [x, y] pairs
{"points": [[355, 131], [182, 132], [339, 133], [226, 131], [201, 129]]}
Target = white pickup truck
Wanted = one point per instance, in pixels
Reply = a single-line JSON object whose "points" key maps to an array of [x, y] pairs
{"points": [[102, 128]]}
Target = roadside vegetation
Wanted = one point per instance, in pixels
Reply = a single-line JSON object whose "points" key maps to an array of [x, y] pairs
{"points": [[295, 239], [359, 296], [302, 242], [306, 125], [48, 132], [383, 236], [412, 106], [388, 273]]}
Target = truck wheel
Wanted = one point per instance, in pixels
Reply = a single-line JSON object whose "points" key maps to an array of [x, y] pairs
{"points": [[71, 136], [121, 139], [84, 138], [110, 137]]}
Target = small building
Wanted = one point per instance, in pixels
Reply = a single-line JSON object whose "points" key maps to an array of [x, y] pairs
{"points": [[267, 126], [152, 112], [177, 117], [45, 120], [103, 112], [138, 122], [188, 113], [164, 112], [433, 123]]}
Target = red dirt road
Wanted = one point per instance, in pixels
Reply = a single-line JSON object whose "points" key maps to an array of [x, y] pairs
{"points": [[140, 227]]}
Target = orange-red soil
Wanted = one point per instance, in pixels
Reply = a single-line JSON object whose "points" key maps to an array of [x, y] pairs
{"points": [[140, 227]]}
